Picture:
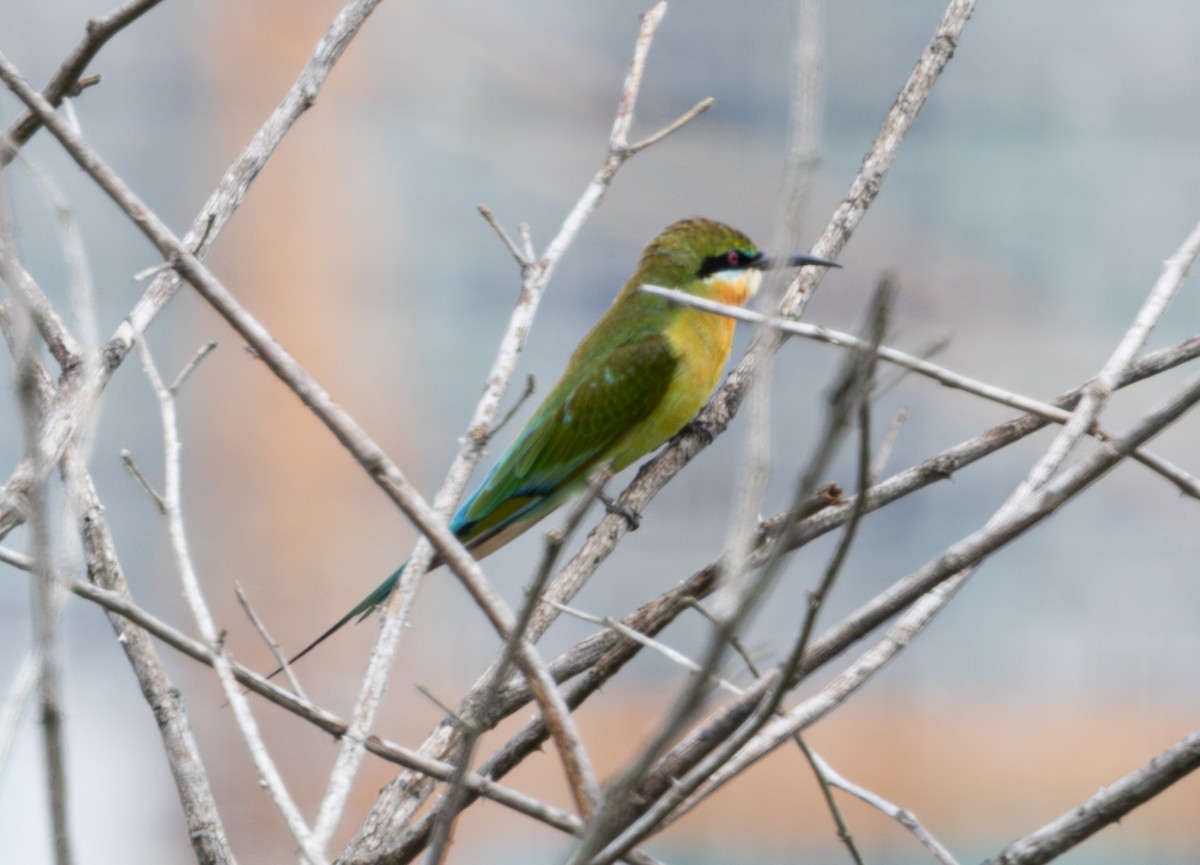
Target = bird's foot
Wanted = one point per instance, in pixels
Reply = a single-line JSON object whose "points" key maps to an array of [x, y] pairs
{"points": [[701, 430], [615, 507]]}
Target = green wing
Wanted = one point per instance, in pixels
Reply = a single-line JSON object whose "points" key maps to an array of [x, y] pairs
{"points": [[572, 433]]}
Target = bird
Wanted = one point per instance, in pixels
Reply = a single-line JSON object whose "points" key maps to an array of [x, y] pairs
{"points": [[639, 376]]}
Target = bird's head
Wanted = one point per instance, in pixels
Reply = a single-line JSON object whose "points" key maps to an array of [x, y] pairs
{"points": [[709, 259]]}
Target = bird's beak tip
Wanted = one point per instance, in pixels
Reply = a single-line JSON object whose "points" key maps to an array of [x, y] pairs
{"points": [[768, 262], [801, 260]]}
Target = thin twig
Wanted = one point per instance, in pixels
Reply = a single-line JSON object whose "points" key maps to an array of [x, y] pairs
{"points": [[404, 795], [276, 650], [903, 816], [38, 307], [1096, 392], [530, 387], [479, 714], [825, 783], [937, 582], [17, 560], [79, 277], [715, 417], [1180, 478], [931, 347], [35, 315], [268, 774], [839, 821], [673, 655], [889, 442], [154, 270], [366, 451], [203, 352], [1108, 806], [24, 682], [862, 383], [135, 471], [676, 124], [125, 610], [395, 615], [74, 402], [66, 81], [853, 391], [486, 212], [83, 84]]}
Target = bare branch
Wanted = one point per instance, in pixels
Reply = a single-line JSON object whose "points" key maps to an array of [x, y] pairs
{"points": [[32, 391], [124, 610], [17, 560], [1186, 482], [596, 660], [404, 795], [185, 373], [49, 325], [889, 441], [530, 387], [268, 774], [19, 692], [522, 260], [66, 81], [74, 403], [135, 471], [276, 649], [676, 124], [79, 277], [479, 714], [852, 390], [618, 140], [937, 581], [673, 655], [715, 417], [1096, 392], [1108, 806], [903, 816]]}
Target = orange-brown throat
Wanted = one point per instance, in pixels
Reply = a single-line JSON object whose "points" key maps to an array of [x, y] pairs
{"points": [[732, 287]]}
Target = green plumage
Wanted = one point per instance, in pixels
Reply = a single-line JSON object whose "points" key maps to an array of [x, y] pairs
{"points": [[619, 397], [635, 380]]}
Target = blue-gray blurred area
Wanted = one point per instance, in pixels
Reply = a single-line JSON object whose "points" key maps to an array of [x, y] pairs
{"points": [[1028, 215]]}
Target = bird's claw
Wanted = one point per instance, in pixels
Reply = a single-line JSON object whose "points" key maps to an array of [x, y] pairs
{"points": [[615, 507], [699, 429]]}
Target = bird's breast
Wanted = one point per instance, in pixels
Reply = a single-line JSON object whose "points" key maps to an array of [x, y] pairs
{"points": [[700, 342]]}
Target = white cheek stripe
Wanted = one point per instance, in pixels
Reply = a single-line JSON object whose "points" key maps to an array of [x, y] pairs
{"points": [[753, 281]]}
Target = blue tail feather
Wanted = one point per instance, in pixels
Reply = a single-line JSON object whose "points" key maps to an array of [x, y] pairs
{"points": [[364, 608]]}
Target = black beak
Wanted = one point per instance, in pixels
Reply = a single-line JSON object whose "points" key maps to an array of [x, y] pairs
{"points": [[766, 262]]}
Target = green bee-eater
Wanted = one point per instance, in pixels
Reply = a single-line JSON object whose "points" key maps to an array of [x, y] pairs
{"points": [[637, 378]]}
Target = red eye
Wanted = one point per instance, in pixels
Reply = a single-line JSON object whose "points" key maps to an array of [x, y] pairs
{"points": [[733, 257]]}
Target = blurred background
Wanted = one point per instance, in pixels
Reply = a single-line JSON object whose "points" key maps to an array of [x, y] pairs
{"points": [[1051, 172]]}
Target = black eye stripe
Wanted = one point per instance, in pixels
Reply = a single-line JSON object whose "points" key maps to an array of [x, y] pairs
{"points": [[731, 259]]}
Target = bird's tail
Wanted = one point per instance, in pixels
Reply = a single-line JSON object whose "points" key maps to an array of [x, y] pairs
{"points": [[364, 609]]}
